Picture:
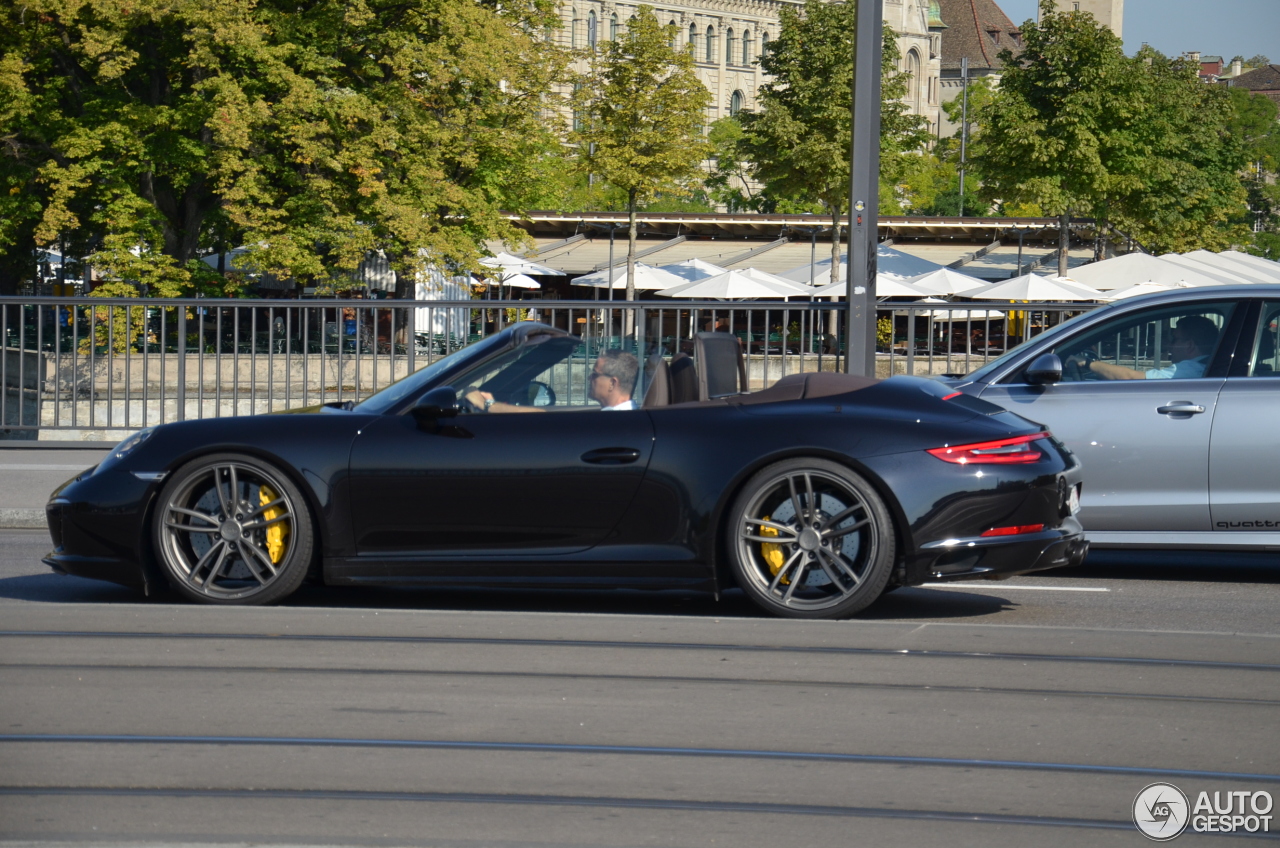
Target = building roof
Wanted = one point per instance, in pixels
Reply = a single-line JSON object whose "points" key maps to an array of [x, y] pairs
{"points": [[935, 15], [1266, 78], [977, 30]]}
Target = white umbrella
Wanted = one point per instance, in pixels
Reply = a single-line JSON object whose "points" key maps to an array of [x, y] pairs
{"points": [[889, 261], [886, 286], [693, 269], [521, 281], [1124, 271], [1216, 274], [511, 264], [945, 281], [1032, 287], [1253, 272], [647, 277], [736, 285], [1253, 261], [1136, 289]]}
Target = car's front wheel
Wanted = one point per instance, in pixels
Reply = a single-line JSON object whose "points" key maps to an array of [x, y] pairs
{"points": [[232, 529], [809, 538]]}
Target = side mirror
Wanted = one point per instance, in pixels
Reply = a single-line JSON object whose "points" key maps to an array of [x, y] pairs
{"points": [[1045, 370], [440, 402]]}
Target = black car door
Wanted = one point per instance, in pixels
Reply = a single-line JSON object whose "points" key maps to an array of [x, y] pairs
{"points": [[495, 485]]}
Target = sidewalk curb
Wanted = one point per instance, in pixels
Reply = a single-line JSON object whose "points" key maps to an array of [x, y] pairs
{"points": [[22, 519]]}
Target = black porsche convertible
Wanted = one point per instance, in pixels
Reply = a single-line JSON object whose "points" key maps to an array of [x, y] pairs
{"points": [[814, 496]]}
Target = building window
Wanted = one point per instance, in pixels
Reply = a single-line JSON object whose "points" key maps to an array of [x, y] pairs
{"points": [[573, 34], [672, 29], [593, 37], [747, 58], [735, 103], [913, 84], [693, 40], [995, 35], [613, 27], [711, 44], [764, 42], [730, 47]]}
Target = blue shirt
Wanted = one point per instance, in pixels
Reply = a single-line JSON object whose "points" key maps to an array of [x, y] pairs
{"points": [[1187, 369]]}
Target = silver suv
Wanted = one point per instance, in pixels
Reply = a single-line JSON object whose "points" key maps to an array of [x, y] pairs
{"points": [[1172, 403]]}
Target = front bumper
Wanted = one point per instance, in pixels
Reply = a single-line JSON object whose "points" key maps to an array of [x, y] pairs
{"points": [[998, 557], [97, 528]]}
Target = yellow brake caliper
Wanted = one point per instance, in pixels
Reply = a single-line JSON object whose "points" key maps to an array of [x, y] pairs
{"points": [[278, 532], [773, 554]]}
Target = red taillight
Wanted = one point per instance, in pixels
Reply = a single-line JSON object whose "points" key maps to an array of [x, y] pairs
{"points": [[1014, 531], [1015, 451], [953, 394]]}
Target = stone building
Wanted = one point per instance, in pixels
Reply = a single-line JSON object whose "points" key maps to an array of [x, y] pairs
{"points": [[977, 30], [727, 37], [1108, 12], [1264, 81]]}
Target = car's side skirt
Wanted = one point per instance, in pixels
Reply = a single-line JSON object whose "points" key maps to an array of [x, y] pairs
{"points": [[1221, 540]]}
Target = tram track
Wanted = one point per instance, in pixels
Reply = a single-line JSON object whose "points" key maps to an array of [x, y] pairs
{"points": [[282, 670], [280, 638], [631, 750], [564, 801]]}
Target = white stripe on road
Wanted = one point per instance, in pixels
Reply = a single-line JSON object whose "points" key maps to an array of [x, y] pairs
{"points": [[17, 466], [970, 585]]}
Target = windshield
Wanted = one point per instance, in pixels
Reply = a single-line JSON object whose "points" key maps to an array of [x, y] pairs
{"points": [[995, 366], [423, 377]]}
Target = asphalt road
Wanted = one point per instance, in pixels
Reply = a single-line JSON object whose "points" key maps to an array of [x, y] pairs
{"points": [[1022, 713]]}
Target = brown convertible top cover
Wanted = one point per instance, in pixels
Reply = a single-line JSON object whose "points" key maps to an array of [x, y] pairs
{"points": [[803, 386]]}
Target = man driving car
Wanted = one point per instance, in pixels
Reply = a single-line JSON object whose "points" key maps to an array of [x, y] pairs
{"points": [[1193, 341], [610, 385]]}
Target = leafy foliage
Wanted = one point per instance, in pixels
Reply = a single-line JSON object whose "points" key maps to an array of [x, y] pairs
{"points": [[639, 116], [798, 141], [1079, 128], [143, 131]]}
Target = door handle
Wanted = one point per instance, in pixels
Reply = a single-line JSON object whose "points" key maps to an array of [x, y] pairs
{"points": [[611, 456], [1180, 407]]}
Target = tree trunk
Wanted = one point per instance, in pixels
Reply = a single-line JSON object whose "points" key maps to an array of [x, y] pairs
{"points": [[628, 316], [1064, 241]]}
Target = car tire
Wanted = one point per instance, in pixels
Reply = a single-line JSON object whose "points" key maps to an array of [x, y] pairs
{"points": [[231, 529], [835, 544]]}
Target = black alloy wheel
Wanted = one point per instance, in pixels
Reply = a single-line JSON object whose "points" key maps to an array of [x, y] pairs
{"points": [[232, 529], [810, 539]]}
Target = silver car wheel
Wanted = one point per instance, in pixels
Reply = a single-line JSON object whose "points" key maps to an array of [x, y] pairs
{"points": [[227, 530], [811, 539]]}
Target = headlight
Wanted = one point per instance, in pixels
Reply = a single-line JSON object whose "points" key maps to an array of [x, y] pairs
{"points": [[132, 442]]}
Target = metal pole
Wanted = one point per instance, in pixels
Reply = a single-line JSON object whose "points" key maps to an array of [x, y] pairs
{"points": [[864, 190], [1021, 233], [964, 125], [610, 272]]}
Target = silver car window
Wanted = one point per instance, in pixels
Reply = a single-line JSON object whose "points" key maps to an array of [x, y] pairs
{"points": [[1265, 361], [1143, 345]]}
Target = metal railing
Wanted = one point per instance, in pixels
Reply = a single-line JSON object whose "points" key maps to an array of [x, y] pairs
{"points": [[103, 367]]}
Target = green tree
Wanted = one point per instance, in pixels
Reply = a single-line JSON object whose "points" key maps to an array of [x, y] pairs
{"points": [[730, 183], [147, 131], [1078, 128], [639, 116], [1254, 124], [798, 141]]}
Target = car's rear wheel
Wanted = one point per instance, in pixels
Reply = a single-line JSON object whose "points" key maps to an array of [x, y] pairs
{"points": [[810, 539], [232, 529]]}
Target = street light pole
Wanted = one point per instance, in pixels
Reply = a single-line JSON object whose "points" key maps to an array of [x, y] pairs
{"points": [[864, 190]]}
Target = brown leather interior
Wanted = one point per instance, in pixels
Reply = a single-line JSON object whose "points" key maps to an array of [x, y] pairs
{"points": [[658, 377], [722, 369], [684, 379]]}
